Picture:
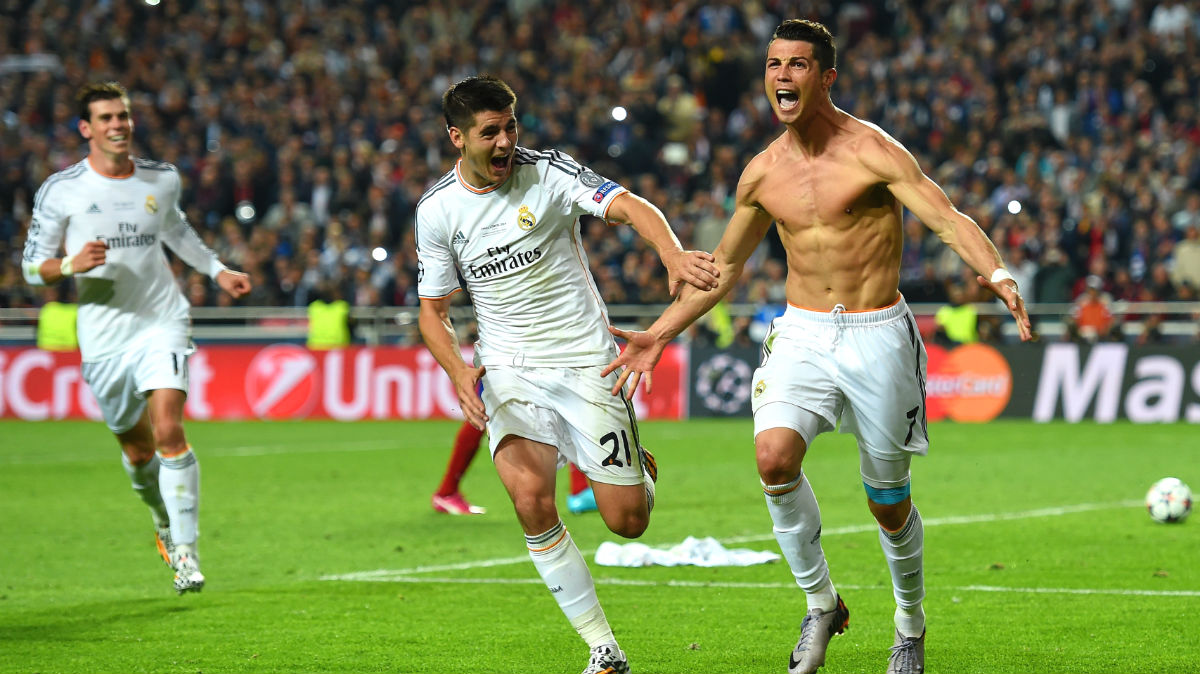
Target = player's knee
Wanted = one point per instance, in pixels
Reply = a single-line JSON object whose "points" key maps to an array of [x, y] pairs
{"points": [[889, 506], [139, 454], [629, 524], [778, 461], [169, 439], [536, 509]]}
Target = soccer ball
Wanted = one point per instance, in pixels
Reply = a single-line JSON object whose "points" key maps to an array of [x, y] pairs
{"points": [[1169, 500]]}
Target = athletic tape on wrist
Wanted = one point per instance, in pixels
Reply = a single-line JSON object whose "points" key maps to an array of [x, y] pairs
{"points": [[66, 267], [1002, 274]]}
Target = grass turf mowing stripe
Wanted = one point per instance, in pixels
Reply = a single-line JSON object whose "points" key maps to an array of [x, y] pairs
{"points": [[852, 529], [764, 586]]}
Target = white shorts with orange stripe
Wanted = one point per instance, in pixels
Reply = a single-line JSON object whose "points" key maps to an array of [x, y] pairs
{"points": [[120, 383], [570, 408], [862, 369]]}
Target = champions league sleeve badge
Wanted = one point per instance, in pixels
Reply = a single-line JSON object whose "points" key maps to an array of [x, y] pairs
{"points": [[590, 179]]}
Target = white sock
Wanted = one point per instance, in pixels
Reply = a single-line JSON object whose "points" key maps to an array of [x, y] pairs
{"points": [[145, 485], [566, 575], [179, 483], [904, 551], [797, 520]]}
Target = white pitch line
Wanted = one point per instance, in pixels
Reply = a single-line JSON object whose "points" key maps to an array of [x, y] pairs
{"points": [[836, 531], [764, 586]]}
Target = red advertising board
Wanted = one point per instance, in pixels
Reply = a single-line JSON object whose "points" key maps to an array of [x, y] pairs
{"points": [[286, 381]]}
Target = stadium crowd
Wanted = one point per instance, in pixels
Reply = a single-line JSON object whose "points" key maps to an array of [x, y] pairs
{"points": [[306, 130]]}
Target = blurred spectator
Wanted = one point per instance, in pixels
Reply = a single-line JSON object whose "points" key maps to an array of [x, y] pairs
{"points": [[1023, 271], [289, 217], [1091, 318], [1189, 215], [1187, 259], [1053, 280], [957, 322]]}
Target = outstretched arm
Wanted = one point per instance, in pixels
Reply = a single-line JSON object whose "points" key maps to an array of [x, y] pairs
{"points": [[442, 342], [694, 267], [905, 179], [743, 233]]}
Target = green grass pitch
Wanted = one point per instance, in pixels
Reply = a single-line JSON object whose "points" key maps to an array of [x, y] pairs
{"points": [[323, 555]]}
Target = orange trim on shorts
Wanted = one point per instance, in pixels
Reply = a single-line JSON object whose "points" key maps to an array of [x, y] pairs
{"points": [[848, 311], [556, 542], [185, 450]]}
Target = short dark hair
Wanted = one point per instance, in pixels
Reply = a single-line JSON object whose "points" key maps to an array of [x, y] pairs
{"points": [[813, 32], [99, 91], [475, 94]]}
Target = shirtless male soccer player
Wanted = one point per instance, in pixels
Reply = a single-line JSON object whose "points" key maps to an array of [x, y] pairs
{"points": [[847, 349]]}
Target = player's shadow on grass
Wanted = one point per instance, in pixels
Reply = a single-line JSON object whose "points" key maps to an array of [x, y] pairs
{"points": [[97, 620]]}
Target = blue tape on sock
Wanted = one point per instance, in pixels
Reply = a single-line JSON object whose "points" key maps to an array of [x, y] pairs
{"points": [[890, 496]]}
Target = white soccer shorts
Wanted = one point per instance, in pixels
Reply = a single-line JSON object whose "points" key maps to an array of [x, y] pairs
{"points": [[120, 383], [864, 369], [570, 408]]}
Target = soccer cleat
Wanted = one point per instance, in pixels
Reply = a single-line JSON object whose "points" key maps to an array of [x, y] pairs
{"points": [[583, 502], [162, 540], [607, 659], [187, 571], [649, 465], [817, 628], [456, 504], [908, 655]]}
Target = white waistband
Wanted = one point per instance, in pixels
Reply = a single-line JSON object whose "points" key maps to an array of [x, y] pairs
{"points": [[839, 316]]}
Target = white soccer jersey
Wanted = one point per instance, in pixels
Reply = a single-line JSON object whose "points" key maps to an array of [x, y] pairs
{"points": [[518, 247], [132, 296]]}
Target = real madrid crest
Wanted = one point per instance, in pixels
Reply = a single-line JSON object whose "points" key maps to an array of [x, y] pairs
{"points": [[151, 205], [759, 388], [525, 219]]}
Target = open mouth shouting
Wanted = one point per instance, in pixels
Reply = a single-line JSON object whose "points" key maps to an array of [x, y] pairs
{"points": [[788, 100], [500, 163]]}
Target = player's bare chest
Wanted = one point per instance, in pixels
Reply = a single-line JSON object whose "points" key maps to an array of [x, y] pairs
{"points": [[805, 194]]}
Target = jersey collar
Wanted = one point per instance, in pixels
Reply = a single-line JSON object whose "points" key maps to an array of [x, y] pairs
{"points": [[476, 190]]}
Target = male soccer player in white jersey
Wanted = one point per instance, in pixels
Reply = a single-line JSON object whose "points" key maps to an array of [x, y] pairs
{"points": [[847, 348], [507, 220], [112, 213]]}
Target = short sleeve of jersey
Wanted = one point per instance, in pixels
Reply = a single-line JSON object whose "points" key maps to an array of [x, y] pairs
{"points": [[587, 191], [437, 275]]}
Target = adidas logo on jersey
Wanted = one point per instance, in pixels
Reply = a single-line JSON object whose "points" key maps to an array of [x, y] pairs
{"points": [[459, 239], [93, 209]]}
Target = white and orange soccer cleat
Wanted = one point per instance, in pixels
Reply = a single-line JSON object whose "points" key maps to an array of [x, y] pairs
{"points": [[187, 570]]}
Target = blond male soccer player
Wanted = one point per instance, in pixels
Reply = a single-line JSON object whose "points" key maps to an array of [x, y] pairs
{"points": [[847, 349], [112, 213], [506, 219]]}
